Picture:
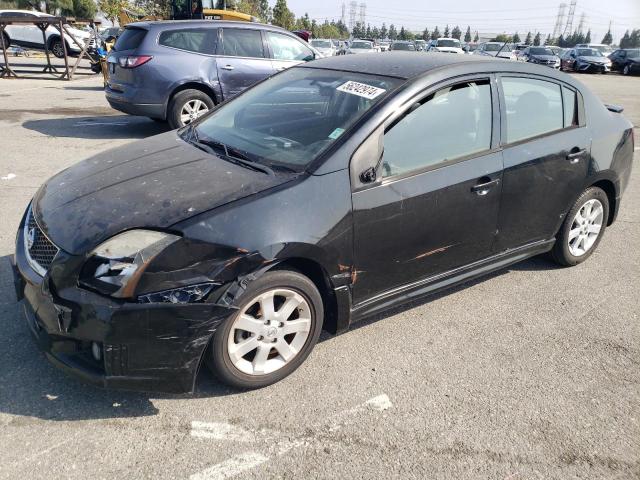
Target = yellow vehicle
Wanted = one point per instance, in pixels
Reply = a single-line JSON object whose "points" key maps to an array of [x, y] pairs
{"points": [[204, 9]]}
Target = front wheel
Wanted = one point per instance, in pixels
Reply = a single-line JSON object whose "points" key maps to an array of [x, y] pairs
{"points": [[582, 229], [277, 324], [57, 48]]}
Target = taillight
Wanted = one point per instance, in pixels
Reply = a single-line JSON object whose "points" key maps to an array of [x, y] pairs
{"points": [[133, 61]]}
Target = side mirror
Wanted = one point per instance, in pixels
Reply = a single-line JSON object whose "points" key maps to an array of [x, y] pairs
{"points": [[366, 160]]}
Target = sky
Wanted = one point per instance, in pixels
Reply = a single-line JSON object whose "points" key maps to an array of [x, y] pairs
{"points": [[487, 16]]}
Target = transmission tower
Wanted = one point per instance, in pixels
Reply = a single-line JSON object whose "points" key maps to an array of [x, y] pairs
{"points": [[569, 25], [559, 20], [581, 22], [362, 17], [343, 17], [353, 6]]}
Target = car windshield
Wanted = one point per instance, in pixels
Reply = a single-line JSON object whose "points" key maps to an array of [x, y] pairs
{"points": [[366, 45], [493, 47], [291, 118], [449, 43], [321, 43], [589, 52], [541, 51]]}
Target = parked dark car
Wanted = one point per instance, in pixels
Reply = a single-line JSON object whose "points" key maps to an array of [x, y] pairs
{"points": [[541, 56], [332, 191], [179, 70], [406, 46], [585, 60], [626, 61]]}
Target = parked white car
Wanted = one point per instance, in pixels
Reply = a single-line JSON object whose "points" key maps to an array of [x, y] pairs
{"points": [[30, 36], [498, 50], [361, 46], [447, 45], [325, 46]]}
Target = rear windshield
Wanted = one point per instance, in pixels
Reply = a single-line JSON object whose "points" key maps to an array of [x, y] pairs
{"points": [[589, 52], [366, 45], [492, 47], [540, 51], [449, 43], [130, 39]]}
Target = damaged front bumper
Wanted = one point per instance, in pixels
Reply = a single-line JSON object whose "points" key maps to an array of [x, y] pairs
{"points": [[142, 346]]}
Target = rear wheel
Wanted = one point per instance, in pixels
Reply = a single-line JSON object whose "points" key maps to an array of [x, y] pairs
{"points": [[582, 229], [188, 105], [277, 324]]}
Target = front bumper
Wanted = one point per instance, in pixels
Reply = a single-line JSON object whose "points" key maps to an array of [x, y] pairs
{"points": [[593, 68], [150, 347]]}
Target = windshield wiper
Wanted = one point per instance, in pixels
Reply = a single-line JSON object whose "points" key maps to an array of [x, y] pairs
{"points": [[231, 154]]}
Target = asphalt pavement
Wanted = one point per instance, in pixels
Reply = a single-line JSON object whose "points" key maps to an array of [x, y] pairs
{"points": [[532, 372]]}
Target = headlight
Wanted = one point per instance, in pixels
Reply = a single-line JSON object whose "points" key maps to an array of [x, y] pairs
{"points": [[116, 265]]}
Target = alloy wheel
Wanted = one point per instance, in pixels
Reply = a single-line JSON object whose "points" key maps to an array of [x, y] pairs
{"points": [[57, 49], [269, 332], [192, 110], [585, 227]]}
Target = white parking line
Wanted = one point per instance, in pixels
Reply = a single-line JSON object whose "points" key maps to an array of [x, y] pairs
{"points": [[63, 83], [246, 461], [95, 124], [231, 467]]}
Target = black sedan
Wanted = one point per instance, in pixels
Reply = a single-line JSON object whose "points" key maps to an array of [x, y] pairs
{"points": [[626, 61], [585, 60], [541, 56], [325, 194]]}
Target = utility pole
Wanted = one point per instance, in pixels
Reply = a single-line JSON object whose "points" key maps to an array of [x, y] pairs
{"points": [[569, 25], [559, 20], [343, 16], [353, 6], [363, 14]]}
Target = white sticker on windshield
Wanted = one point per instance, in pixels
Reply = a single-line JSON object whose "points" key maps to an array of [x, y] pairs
{"points": [[361, 89]]}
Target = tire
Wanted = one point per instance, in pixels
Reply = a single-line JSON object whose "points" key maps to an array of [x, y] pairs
{"points": [[626, 70], [246, 371], [569, 250], [55, 46], [178, 107]]}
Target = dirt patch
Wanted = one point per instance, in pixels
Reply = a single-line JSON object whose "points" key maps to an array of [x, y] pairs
{"points": [[16, 116]]}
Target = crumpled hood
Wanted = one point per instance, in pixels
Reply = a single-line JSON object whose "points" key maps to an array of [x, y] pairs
{"points": [[153, 183]]}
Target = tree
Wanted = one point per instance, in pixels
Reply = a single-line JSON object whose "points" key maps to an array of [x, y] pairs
{"points": [[536, 39], [446, 31], [587, 39], [561, 41], [403, 34], [282, 16], [548, 40], [375, 32], [111, 8], [467, 35], [426, 35], [435, 34], [608, 38], [456, 32], [393, 33], [47, 6], [476, 37], [630, 40], [85, 9], [383, 31], [368, 32], [528, 39], [501, 38], [516, 38]]}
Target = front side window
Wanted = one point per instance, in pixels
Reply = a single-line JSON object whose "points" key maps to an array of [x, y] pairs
{"points": [[192, 40], [534, 107], [242, 42], [291, 118], [286, 48], [451, 123]]}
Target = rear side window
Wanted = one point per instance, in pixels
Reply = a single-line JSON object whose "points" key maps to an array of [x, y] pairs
{"points": [[570, 107], [193, 40], [238, 42], [534, 107], [286, 48], [130, 39]]}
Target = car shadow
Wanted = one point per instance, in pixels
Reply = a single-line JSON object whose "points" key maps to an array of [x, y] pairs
{"points": [[98, 127], [31, 387]]}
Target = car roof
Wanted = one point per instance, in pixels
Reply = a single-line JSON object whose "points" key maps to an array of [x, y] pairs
{"points": [[32, 12], [407, 65], [206, 23]]}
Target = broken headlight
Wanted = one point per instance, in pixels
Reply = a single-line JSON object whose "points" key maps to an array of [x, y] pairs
{"points": [[190, 294], [116, 265]]}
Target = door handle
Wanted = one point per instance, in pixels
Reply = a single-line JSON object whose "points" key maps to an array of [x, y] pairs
{"points": [[574, 156], [227, 67], [484, 187]]}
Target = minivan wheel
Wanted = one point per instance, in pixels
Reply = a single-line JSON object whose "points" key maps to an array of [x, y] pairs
{"points": [[582, 229], [277, 324], [188, 105]]}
